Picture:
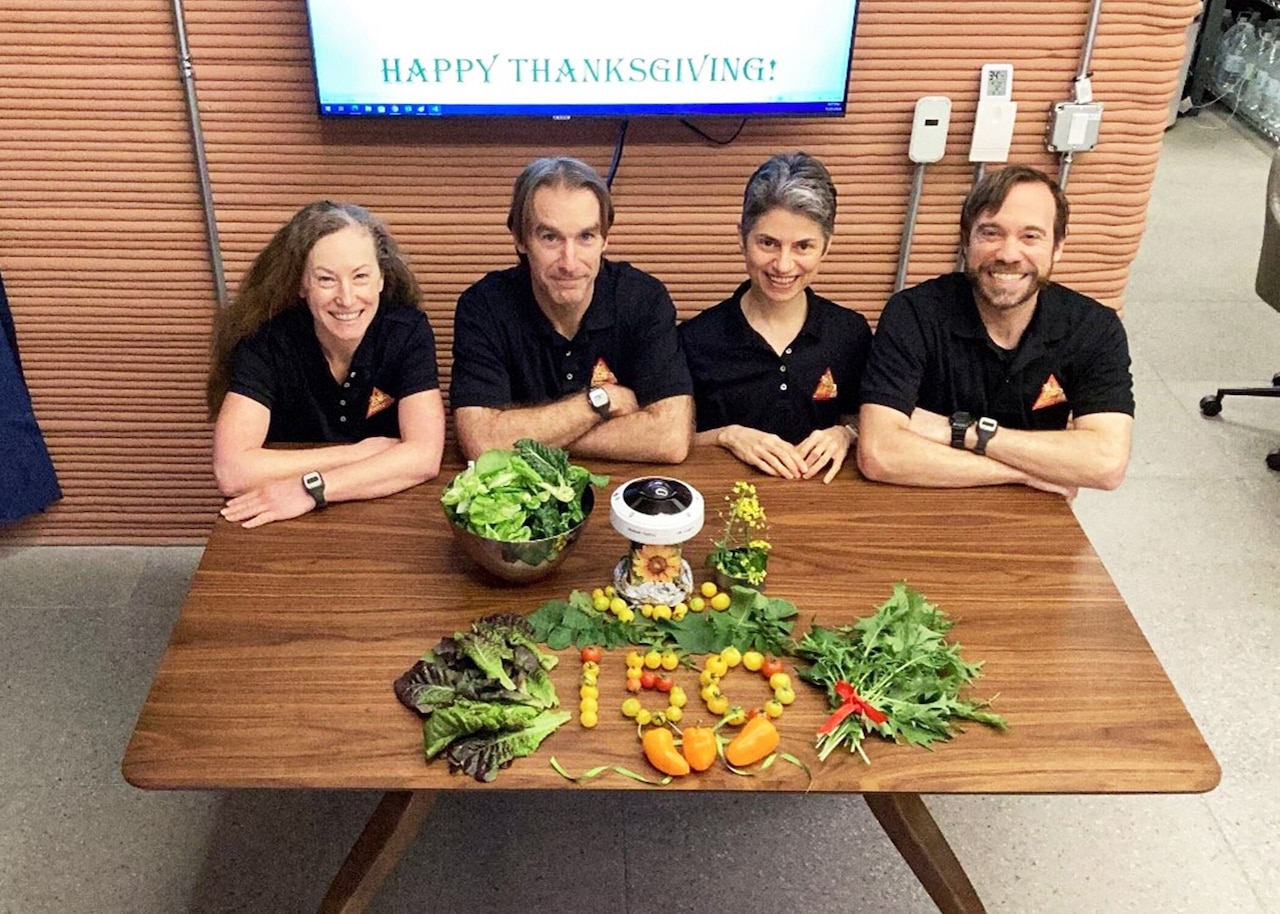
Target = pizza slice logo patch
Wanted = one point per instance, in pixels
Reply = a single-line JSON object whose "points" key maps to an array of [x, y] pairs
{"points": [[602, 374], [1051, 394], [826, 389], [378, 401]]}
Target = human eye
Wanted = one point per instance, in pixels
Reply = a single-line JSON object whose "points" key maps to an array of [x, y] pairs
{"points": [[325, 280]]}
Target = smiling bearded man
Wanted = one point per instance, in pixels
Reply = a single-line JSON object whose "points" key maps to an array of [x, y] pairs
{"points": [[999, 349]]}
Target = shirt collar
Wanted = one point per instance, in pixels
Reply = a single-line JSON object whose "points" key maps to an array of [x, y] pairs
{"points": [[742, 333]]}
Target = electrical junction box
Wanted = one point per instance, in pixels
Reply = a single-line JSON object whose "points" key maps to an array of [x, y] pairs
{"points": [[1073, 126]]}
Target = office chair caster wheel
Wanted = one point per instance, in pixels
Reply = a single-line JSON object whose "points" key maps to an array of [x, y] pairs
{"points": [[1273, 460], [1210, 406], [1275, 380]]}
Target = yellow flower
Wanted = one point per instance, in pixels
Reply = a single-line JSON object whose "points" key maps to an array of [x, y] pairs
{"points": [[655, 563]]}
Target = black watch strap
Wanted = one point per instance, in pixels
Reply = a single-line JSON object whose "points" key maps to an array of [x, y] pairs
{"points": [[960, 423], [987, 428], [313, 482]]}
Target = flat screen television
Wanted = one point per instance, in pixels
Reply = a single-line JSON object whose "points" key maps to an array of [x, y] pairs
{"points": [[418, 58]]}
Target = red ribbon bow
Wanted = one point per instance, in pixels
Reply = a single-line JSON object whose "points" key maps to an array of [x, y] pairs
{"points": [[852, 703]]}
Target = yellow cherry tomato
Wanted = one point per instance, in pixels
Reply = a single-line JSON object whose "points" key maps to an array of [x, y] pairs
{"points": [[634, 672], [617, 605], [589, 691], [708, 589], [643, 717], [710, 692], [697, 604], [634, 660], [652, 660], [597, 593], [589, 719], [631, 707], [779, 681], [707, 678], [773, 708], [608, 591], [731, 656], [718, 705], [716, 665], [720, 601], [647, 610], [674, 714], [735, 718], [588, 705], [677, 697], [678, 612], [600, 604], [627, 615], [670, 660], [753, 660], [784, 694]]}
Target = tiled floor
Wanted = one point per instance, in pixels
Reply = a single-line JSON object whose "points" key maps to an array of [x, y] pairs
{"points": [[1192, 539]]}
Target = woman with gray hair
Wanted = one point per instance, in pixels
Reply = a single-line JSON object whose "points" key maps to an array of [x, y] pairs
{"points": [[776, 368]]}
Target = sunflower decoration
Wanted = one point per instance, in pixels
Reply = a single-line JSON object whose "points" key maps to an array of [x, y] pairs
{"points": [[654, 563]]}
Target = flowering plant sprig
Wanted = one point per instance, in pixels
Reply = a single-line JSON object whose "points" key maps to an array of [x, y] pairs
{"points": [[742, 551]]}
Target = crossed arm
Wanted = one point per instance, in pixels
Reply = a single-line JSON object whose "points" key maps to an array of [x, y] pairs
{"points": [[916, 450], [660, 432], [264, 485]]}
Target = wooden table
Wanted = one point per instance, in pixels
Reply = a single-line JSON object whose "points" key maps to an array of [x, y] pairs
{"points": [[279, 671]]}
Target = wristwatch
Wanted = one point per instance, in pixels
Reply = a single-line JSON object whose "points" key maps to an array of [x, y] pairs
{"points": [[598, 397], [313, 482], [987, 428], [960, 423]]}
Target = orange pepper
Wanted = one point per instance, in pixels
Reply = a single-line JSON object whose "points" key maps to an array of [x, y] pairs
{"points": [[700, 747], [757, 739], [660, 749]]}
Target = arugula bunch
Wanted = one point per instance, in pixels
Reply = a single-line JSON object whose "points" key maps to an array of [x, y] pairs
{"points": [[892, 673], [751, 622], [527, 494], [486, 696]]}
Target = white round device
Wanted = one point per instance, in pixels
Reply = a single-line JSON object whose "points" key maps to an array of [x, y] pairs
{"points": [[656, 510]]}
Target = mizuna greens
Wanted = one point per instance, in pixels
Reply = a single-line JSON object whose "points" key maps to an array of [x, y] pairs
{"points": [[515, 496], [486, 696], [892, 673]]}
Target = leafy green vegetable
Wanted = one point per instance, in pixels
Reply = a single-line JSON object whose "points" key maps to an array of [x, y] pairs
{"points": [[527, 494], [752, 622], [482, 756], [892, 673], [486, 695]]}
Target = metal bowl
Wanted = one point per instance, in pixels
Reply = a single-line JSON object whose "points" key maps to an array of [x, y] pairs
{"points": [[520, 563]]}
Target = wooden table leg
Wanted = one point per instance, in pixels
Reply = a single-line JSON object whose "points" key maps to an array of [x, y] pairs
{"points": [[386, 836], [917, 837]]}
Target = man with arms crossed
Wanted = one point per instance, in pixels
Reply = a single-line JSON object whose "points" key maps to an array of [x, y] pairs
{"points": [[567, 347], [998, 375]]}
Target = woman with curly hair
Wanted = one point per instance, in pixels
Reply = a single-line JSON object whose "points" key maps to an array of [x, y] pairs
{"points": [[324, 345]]}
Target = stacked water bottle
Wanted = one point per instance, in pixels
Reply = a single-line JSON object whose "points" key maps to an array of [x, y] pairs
{"points": [[1246, 69]]}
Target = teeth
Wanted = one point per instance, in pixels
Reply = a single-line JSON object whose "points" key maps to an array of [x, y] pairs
{"points": [[345, 315]]}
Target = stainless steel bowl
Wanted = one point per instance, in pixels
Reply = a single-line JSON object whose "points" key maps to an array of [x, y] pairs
{"points": [[521, 563]]}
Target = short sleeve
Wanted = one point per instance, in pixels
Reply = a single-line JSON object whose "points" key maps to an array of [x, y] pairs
{"points": [[895, 368], [480, 375], [252, 372], [1104, 383], [858, 347], [418, 371], [660, 367]]}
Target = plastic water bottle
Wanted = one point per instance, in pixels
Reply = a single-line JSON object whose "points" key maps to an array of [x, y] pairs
{"points": [[1250, 51], [1270, 113], [1256, 87], [1228, 64]]}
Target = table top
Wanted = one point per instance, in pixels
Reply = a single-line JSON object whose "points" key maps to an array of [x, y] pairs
{"points": [[279, 670]]}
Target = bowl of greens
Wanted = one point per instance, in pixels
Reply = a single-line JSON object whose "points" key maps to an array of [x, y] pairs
{"points": [[517, 513]]}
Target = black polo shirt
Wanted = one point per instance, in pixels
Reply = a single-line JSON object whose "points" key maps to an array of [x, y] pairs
{"points": [[931, 350], [507, 353], [738, 378], [283, 368]]}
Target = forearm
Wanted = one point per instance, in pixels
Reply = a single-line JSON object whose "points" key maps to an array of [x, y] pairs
{"points": [[400, 467], [558, 424], [902, 457], [239, 471], [1080, 456], [659, 433]]}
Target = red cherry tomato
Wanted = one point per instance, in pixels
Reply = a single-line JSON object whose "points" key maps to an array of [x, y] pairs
{"points": [[633, 685], [648, 679], [663, 683], [770, 666], [592, 654]]}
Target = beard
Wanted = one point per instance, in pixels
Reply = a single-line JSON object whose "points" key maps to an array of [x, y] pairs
{"points": [[1002, 296]]}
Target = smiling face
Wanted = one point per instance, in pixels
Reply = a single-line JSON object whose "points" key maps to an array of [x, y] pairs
{"points": [[564, 244], [1010, 253], [783, 251], [341, 283]]}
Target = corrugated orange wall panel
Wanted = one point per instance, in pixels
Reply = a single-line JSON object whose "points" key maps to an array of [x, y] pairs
{"points": [[102, 239]]}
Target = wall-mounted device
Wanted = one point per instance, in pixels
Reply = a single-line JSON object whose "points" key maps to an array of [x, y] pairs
{"points": [[1073, 126], [993, 122], [929, 129]]}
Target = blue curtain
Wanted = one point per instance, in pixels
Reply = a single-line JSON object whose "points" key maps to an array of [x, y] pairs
{"points": [[27, 481]]}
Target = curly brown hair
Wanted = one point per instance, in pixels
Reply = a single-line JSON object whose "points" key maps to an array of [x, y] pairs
{"points": [[271, 284]]}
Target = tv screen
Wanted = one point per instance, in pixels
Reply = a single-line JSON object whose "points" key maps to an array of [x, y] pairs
{"points": [[512, 57]]}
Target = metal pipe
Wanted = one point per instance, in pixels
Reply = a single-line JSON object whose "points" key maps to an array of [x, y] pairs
{"points": [[1082, 79], [909, 227], [202, 163]]}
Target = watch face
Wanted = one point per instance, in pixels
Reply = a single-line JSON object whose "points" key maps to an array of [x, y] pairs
{"points": [[961, 420], [987, 424], [598, 397]]}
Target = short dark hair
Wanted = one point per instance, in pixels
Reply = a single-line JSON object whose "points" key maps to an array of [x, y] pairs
{"points": [[556, 171], [989, 194], [795, 182]]}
